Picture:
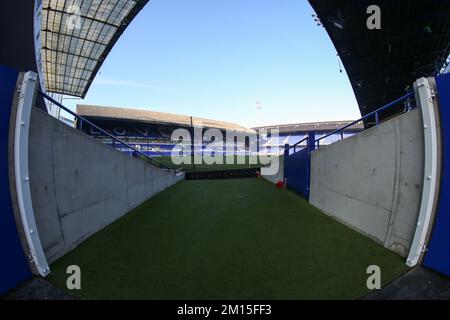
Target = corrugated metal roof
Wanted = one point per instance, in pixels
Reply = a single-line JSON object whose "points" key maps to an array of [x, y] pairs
{"points": [[76, 37], [91, 111], [413, 42]]}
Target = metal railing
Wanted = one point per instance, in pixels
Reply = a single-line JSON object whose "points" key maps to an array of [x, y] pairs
{"points": [[369, 115], [374, 114], [151, 160], [443, 63], [294, 146]]}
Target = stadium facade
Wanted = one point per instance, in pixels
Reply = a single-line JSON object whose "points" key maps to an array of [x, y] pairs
{"points": [[291, 134], [152, 131]]}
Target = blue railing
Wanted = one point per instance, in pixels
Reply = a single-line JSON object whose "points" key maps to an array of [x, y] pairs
{"points": [[151, 160], [375, 114], [297, 166], [294, 146], [442, 63]]}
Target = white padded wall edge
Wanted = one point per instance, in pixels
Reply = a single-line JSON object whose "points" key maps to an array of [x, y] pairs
{"points": [[22, 177], [424, 100]]}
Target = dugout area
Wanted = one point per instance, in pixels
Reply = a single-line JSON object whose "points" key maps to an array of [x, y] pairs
{"points": [[226, 239]]}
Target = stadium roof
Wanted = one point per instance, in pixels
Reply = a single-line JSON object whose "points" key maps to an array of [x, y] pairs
{"points": [[413, 42], [312, 126], [99, 112], [77, 35]]}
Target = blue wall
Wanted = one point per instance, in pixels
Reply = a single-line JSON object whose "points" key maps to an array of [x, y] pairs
{"points": [[296, 172], [297, 167], [438, 255], [13, 267]]}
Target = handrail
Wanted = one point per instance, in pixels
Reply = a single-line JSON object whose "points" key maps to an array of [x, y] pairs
{"points": [[152, 160], [297, 143], [390, 104], [444, 62]]}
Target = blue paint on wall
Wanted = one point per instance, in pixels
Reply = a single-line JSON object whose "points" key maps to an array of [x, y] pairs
{"points": [[297, 168], [296, 172], [13, 267], [438, 254]]}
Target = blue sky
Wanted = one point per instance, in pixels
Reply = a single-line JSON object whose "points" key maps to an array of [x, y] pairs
{"points": [[215, 58]]}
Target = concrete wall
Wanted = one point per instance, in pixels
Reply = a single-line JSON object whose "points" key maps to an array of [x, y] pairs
{"points": [[279, 176], [373, 181], [79, 185]]}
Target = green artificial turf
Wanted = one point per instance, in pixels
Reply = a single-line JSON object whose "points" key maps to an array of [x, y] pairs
{"points": [[226, 239]]}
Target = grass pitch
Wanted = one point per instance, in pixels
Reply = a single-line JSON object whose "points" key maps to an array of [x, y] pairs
{"points": [[243, 164], [226, 239]]}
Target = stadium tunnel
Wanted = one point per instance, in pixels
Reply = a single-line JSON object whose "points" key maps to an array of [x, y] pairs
{"points": [[400, 163]]}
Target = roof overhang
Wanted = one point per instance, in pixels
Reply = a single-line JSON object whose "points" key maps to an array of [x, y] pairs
{"points": [[413, 42], [155, 117], [312, 126], [77, 36]]}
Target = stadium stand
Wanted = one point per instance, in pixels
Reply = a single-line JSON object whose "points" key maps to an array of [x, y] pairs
{"points": [[150, 130], [291, 134]]}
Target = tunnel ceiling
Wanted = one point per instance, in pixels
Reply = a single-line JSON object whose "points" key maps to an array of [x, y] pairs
{"points": [[77, 35], [381, 64]]}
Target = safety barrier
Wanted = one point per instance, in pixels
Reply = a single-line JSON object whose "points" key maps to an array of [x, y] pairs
{"points": [[375, 114], [297, 166], [297, 158], [137, 151]]}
